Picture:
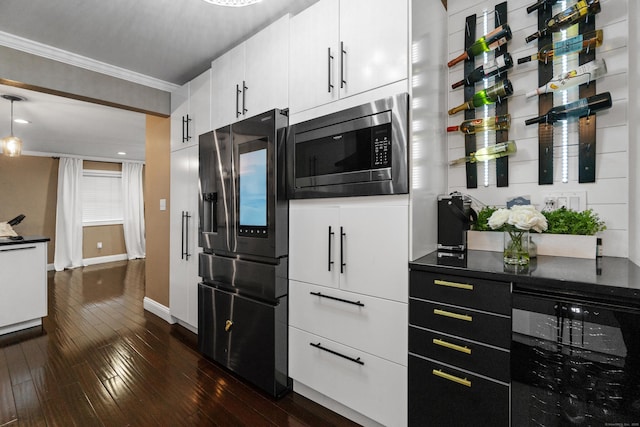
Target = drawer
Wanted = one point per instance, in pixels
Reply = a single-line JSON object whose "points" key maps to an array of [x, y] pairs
{"points": [[441, 396], [461, 321], [480, 294], [370, 324], [375, 387], [464, 354]]}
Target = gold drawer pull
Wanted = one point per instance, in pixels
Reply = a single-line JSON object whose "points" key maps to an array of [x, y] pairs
{"points": [[466, 286], [461, 349], [445, 313], [465, 382]]}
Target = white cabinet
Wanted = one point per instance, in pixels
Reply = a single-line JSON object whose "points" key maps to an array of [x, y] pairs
{"points": [[23, 281], [183, 253], [348, 290], [361, 249], [191, 111], [252, 77], [340, 48]]}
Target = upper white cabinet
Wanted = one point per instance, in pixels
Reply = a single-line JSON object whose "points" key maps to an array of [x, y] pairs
{"points": [[340, 48], [191, 111], [252, 77]]}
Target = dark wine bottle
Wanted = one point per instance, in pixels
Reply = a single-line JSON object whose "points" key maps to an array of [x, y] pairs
{"points": [[572, 15], [577, 44], [491, 68], [486, 43], [472, 126], [486, 96], [580, 108], [541, 4]]}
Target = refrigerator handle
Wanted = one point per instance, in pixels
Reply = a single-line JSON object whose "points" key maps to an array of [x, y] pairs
{"points": [[342, 263], [330, 262]]}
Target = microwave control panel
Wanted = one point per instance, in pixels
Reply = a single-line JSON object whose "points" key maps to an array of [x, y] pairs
{"points": [[381, 146]]}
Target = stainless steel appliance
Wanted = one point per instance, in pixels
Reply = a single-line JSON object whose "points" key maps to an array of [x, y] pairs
{"points": [[356, 152], [242, 300], [574, 362]]}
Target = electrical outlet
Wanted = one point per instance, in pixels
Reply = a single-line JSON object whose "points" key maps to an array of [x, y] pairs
{"points": [[99, 245], [550, 204], [574, 200]]}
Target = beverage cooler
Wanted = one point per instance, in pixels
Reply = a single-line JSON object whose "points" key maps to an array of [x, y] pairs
{"points": [[242, 299]]}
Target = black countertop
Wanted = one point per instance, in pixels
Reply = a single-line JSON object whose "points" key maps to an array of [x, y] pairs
{"points": [[5, 241], [607, 279]]}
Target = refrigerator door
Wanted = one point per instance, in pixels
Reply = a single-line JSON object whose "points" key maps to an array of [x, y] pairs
{"points": [[217, 192], [246, 336]]}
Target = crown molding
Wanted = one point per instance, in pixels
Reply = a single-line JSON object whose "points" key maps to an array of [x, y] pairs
{"points": [[29, 46]]}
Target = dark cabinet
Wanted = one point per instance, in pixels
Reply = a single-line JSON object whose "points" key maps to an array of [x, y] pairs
{"points": [[459, 340]]}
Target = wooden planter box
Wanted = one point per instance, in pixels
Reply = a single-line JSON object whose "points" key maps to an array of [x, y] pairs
{"points": [[566, 245]]}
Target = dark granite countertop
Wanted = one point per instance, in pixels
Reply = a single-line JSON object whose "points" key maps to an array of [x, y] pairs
{"points": [[5, 241], [607, 279]]}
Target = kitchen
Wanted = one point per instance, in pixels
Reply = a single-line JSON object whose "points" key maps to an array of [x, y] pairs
{"points": [[612, 194]]}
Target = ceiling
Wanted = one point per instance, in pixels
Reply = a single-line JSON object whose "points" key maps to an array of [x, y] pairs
{"points": [[170, 40]]}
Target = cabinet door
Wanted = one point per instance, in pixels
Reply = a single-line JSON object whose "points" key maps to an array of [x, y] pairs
{"points": [[227, 75], [200, 105], [266, 69], [314, 256], [375, 37], [375, 248], [183, 271], [313, 74], [179, 111]]}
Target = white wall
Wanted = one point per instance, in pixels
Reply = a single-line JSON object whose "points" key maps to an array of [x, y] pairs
{"points": [[615, 184]]}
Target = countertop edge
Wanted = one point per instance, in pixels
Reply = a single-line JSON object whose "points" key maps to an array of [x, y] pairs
{"points": [[5, 241]]}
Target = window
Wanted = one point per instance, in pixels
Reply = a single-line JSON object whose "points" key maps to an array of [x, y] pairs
{"points": [[101, 197]]}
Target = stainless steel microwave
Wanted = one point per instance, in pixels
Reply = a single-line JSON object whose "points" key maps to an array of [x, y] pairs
{"points": [[360, 151]]}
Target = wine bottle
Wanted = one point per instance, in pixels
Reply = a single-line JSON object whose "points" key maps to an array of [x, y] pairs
{"points": [[472, 126], [486, 96], [580, 108], [491, 152], [490, 41], [490, 68], [577, 44], [583, 74], [541, 4], [572, 15]]}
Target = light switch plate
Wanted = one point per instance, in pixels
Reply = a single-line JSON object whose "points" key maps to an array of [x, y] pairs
{"points": [[163, 204]]}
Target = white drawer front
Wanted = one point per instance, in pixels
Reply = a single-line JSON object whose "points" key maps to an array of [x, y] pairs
{"points": [[377, 388], [377, 326]]}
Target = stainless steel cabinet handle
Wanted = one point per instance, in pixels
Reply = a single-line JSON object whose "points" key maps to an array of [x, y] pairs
{"points": [[343, 52], [244, 91], [331, 234], [342, 263], [238, 101], [329, 60]]}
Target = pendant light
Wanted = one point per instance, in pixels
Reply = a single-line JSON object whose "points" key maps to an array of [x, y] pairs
{"points": [[232, 3], [12, 145]]}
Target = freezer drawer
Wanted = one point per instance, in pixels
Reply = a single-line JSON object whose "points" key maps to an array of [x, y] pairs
{"points": [[246, 336]]}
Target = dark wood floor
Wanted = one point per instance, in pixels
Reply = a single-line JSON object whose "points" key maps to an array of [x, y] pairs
{"points": [[103, 360]]}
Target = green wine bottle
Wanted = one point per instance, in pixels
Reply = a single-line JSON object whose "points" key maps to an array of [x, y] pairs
{"points": [[486, 43], [486, 96], [491, 152]]}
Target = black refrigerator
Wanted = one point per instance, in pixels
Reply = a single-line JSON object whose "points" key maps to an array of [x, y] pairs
{"points": [[242, 299]]}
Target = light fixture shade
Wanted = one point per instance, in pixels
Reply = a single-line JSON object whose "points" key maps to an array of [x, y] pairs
{"points": [[233, 3], [11, 146]]}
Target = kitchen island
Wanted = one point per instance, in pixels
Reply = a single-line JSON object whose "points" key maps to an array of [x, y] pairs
{"points": [[23, 283], [547, 344]]}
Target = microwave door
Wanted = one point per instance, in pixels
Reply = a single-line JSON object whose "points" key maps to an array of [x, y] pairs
{"points": [[217, 192]]}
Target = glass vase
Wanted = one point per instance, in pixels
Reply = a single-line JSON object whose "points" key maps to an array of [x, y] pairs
{"points": [[516, 247]]}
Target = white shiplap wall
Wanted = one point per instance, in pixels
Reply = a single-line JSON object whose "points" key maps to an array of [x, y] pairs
{"points": [[609, 195]]}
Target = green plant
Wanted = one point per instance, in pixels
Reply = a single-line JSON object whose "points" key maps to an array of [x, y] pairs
{"points": [[483, 218], [567, 221]]}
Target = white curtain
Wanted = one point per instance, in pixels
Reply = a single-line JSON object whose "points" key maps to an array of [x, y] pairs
{"points": [[68, 247], [133, 206]]}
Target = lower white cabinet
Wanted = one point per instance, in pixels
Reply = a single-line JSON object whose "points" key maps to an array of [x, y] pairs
{"points": [[183, 237], [23, 278], [368, 384]]}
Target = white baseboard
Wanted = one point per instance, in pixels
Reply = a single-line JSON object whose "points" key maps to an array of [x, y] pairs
{"points": [[335, 406], [158, 309], [103, 259]]}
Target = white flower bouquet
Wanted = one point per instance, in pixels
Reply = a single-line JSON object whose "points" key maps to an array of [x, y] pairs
{"points": [[516, 222]]}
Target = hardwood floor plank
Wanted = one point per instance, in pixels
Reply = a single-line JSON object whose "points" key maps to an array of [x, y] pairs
{"points": [[28, 405], [17, 364], [8, 411]]}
